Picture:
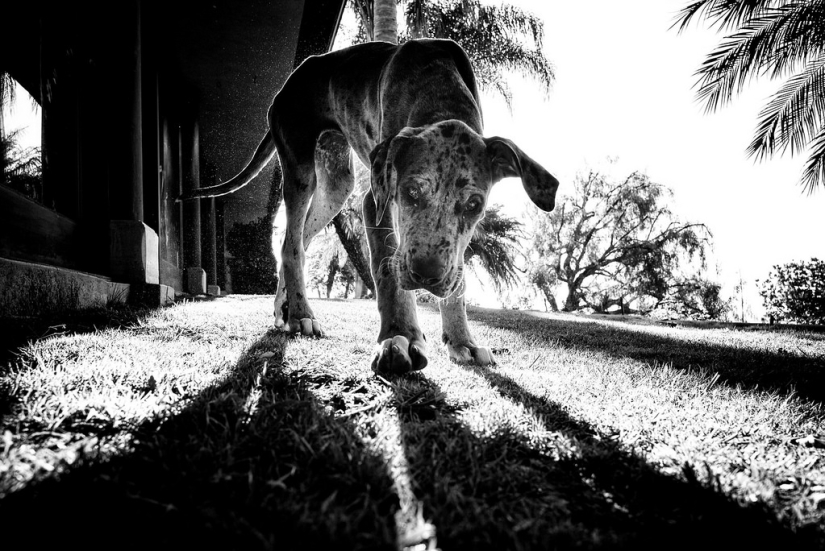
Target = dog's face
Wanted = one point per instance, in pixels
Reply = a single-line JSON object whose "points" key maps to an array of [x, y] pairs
{"points": [[435, 180]]}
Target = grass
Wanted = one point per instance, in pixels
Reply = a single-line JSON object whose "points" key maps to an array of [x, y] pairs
{"points": [[199, 426]]}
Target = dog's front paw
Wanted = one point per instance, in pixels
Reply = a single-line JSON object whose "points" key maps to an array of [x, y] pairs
{"points": [[399, 355], [307, 327], [469, 354]]}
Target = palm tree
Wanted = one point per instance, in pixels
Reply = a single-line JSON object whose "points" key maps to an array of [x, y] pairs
{"points": [[386, 22], [775, 39], [7, 89], [494, 246], [498, 39]]}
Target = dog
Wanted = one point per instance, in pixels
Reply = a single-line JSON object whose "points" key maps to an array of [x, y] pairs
{"points": [[411, 113]]}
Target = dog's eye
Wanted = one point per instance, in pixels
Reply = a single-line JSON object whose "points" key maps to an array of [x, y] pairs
{"points": [[473, 206], [413, 193]]}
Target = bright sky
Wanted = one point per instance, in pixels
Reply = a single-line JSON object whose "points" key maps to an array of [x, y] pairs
{"points": [[624, 88]]}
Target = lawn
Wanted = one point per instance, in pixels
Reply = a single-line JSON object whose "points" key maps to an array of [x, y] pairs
{"points": [[198, 426]]}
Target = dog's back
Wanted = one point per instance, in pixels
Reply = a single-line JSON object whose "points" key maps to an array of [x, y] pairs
{"points": [[371, 91]]}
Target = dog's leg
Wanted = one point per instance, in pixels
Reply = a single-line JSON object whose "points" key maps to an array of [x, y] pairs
{"points": [[299, 185], [335, 182], [456, 334], [401, 344], [333, 171]]}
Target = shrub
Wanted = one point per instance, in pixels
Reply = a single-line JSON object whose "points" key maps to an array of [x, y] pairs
{"points": [[796, 292]]}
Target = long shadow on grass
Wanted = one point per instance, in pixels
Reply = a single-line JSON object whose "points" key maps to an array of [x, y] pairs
{"points": [[784, 372], [575, 488], [232, 470]]}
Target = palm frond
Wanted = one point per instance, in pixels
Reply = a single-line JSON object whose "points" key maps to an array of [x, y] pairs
{"points": [[496, 38], [494, 245], [7, 89], [794, 114], [813, 174], [725, 14], [774, 43], [491, 80]]}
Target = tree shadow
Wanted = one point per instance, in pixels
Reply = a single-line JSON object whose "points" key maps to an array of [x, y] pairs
{"points": [[784, 371], [253, 462], [577, 489]]}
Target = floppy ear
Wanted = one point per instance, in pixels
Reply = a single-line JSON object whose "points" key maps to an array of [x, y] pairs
{"points": [[507, 160], [386, 160]]}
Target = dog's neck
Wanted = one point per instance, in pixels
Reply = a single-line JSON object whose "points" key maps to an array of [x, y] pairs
{"points": [[434, 93]]}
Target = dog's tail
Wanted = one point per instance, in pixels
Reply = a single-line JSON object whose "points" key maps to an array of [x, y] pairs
{"points": [[263, 154]]}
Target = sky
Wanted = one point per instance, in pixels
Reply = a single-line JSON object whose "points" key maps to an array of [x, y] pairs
{"points": [[625, 88]]}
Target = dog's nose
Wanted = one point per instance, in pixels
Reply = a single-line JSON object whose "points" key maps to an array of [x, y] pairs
{"points": [[427, 271]]}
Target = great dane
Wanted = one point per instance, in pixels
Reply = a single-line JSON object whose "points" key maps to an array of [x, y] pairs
{"points": [[410, 112]]}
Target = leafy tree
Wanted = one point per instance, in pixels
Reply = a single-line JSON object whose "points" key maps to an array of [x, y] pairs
{"points": [[21, 167], [329, 264], [616, 242], [544, 278], [796, 292], [697, 298], [774, 39]]}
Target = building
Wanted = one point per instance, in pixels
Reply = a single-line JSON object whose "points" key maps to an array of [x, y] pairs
{"points": [[141, 100]]}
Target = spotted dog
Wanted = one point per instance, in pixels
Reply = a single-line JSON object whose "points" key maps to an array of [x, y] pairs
{"points": [[411, 113]]}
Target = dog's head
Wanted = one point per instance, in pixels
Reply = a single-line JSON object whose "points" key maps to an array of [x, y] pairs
{"points": [[436, 180]]}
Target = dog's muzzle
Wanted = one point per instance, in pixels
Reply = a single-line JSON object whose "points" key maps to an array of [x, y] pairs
{"points": [[428, 272], [425, 273]]}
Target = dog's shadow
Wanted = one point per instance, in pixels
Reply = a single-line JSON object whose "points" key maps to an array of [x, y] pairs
{"points": [[258, 462], [254, 462], [500, 490]]}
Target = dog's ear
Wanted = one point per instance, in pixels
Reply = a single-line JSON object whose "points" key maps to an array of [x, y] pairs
{"points": [[386, 160], [507, 160]]}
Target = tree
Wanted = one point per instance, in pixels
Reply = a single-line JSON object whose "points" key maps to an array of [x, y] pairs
{"points": [[774, 39], [7, 93], [386, 22], [796, 292], [328, 264], [616, 242], [494, 246], [498, 39], [21, 167]]}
